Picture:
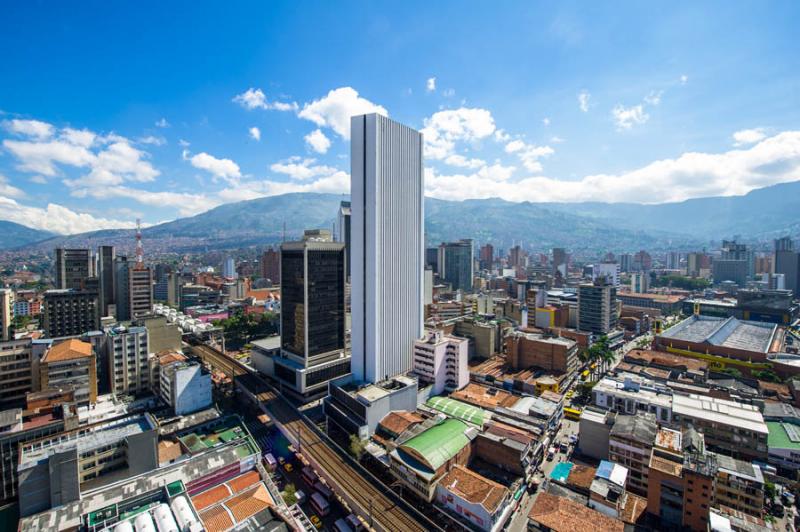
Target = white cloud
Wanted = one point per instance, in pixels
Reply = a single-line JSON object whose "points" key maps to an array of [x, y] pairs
{"points": [[501, 136], [444, 128], [464, 162], [654, 98], [39, 180], [627, 117], [117, 163], [302, 169], [44, 157], [56, 218], [773, 160], [546, 121], [684, 79], [8, 190], [162, 123], [529, 154], [78, 137], [430, 85], [583, 101], [220, 168], [152, 140], [256, 99], [449, 93], [748, 136], [317, 141], [30, 128], [555, 139], [335, 109], [184, 143], [255, 133], [184, 203]]}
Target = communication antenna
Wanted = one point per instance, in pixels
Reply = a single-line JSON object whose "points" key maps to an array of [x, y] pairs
{"points": [[139, 248]]}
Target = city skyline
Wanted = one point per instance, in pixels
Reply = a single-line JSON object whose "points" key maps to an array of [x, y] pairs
{"points": [[638, 107]]}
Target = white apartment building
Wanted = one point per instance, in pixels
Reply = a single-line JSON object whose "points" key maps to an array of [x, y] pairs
{"points": [[128, 356], [6, 313], [185, 386], [442, 360]]}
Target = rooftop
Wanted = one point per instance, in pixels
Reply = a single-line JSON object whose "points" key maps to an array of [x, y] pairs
{"points": [[474, 488], [439, 443], [563, 515], [72, 349], [457, 409], [398, 421], [719, 411], [668, 360], [724, 332], [484, 396], [581, 476], [641, 428], [783, 435], [739, 468], [669, 439]]}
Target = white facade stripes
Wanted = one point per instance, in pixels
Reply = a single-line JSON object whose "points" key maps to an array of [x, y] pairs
{"points": [[387, 246], [442, 361]]}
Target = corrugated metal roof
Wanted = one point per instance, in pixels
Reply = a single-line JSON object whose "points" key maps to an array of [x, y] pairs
{"points": [[439, 443]]}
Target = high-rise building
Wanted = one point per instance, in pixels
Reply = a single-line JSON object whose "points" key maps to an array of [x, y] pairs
{"points": [[122, 267], [515, 257], [486, 257], [343, 228], [609, 270], [128, 358], [597, 307], [640, 282], [387, 237], [442, 360], [6, 313], [787, 262], [72, 268], [625, 262], [16, 378], [673, 260], [140, 291], [229, 268], [456, 264], [560, 260], [642, 261], [432, 259], [105, 274], [71, 363], [271, 266], [70, 312], [312, 317]]}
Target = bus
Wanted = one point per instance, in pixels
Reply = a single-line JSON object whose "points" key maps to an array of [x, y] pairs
{"points": [[324, 490], [572, 413], [319, 504], [309, 476]]}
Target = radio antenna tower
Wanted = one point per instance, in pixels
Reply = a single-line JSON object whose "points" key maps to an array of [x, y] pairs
{"points": [[139, 248]]}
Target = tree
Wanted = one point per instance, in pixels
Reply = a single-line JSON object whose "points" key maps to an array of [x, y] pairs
{"points": [[357, 446], [733, 372], [766, 375], [600, 353], [769, 490], [290, 494]]}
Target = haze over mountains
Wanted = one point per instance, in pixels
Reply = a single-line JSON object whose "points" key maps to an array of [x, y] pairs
{"points": [[759, 215]]}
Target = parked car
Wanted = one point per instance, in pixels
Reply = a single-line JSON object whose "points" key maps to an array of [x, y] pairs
{"points": [[316, 521], [288, 467]]}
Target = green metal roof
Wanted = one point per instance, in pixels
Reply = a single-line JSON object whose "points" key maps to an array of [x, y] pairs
{"points": [[439, 443], [457, 409], [783, 435]]}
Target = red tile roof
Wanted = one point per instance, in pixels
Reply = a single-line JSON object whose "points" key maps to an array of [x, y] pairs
{"points": [[212, 496], [71, 349], [249, 503], [217, 519], [564, 515]]}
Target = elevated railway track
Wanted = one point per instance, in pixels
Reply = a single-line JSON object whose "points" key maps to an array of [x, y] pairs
{"points": [[376, 502]]}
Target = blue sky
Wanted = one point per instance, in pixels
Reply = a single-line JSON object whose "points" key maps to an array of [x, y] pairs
{"points": [[109, 112]]}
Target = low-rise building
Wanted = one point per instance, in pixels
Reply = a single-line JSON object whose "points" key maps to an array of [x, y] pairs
{"points": [[442, 361], [185, 386], [560, 514], [630, 444], [539, 350], [16, 373], [472, 497], [784, 445], [128, 356], [594, 432], [71, 363], [55, 470], [507, 447], [728, 427], [633, 395], [422, 460]]}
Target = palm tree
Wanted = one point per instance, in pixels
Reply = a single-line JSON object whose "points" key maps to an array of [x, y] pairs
{"points": [[600, 353]]}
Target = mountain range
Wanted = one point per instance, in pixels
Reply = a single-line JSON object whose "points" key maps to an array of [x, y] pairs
{"points": [[760, 215], [14, 235]]}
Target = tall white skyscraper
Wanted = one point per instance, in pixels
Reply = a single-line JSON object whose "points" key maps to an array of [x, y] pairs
{"points": [[387, 246]]}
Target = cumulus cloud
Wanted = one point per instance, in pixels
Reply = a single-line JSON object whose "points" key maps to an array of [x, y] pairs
{"points": [[317, 141], [430, 85], [256, 99], [56, 218], [152, 140], [653, 98], [684, 79], [583, 101], [29, 128], [162, 123], [627, 117], [444, 128], [219, 168], [529, 154], [6, 189], [748, 136], [335, 109], [185, 204], [302, 169], [108, 160], [464, 162], [255, 133], [773, 160]]}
